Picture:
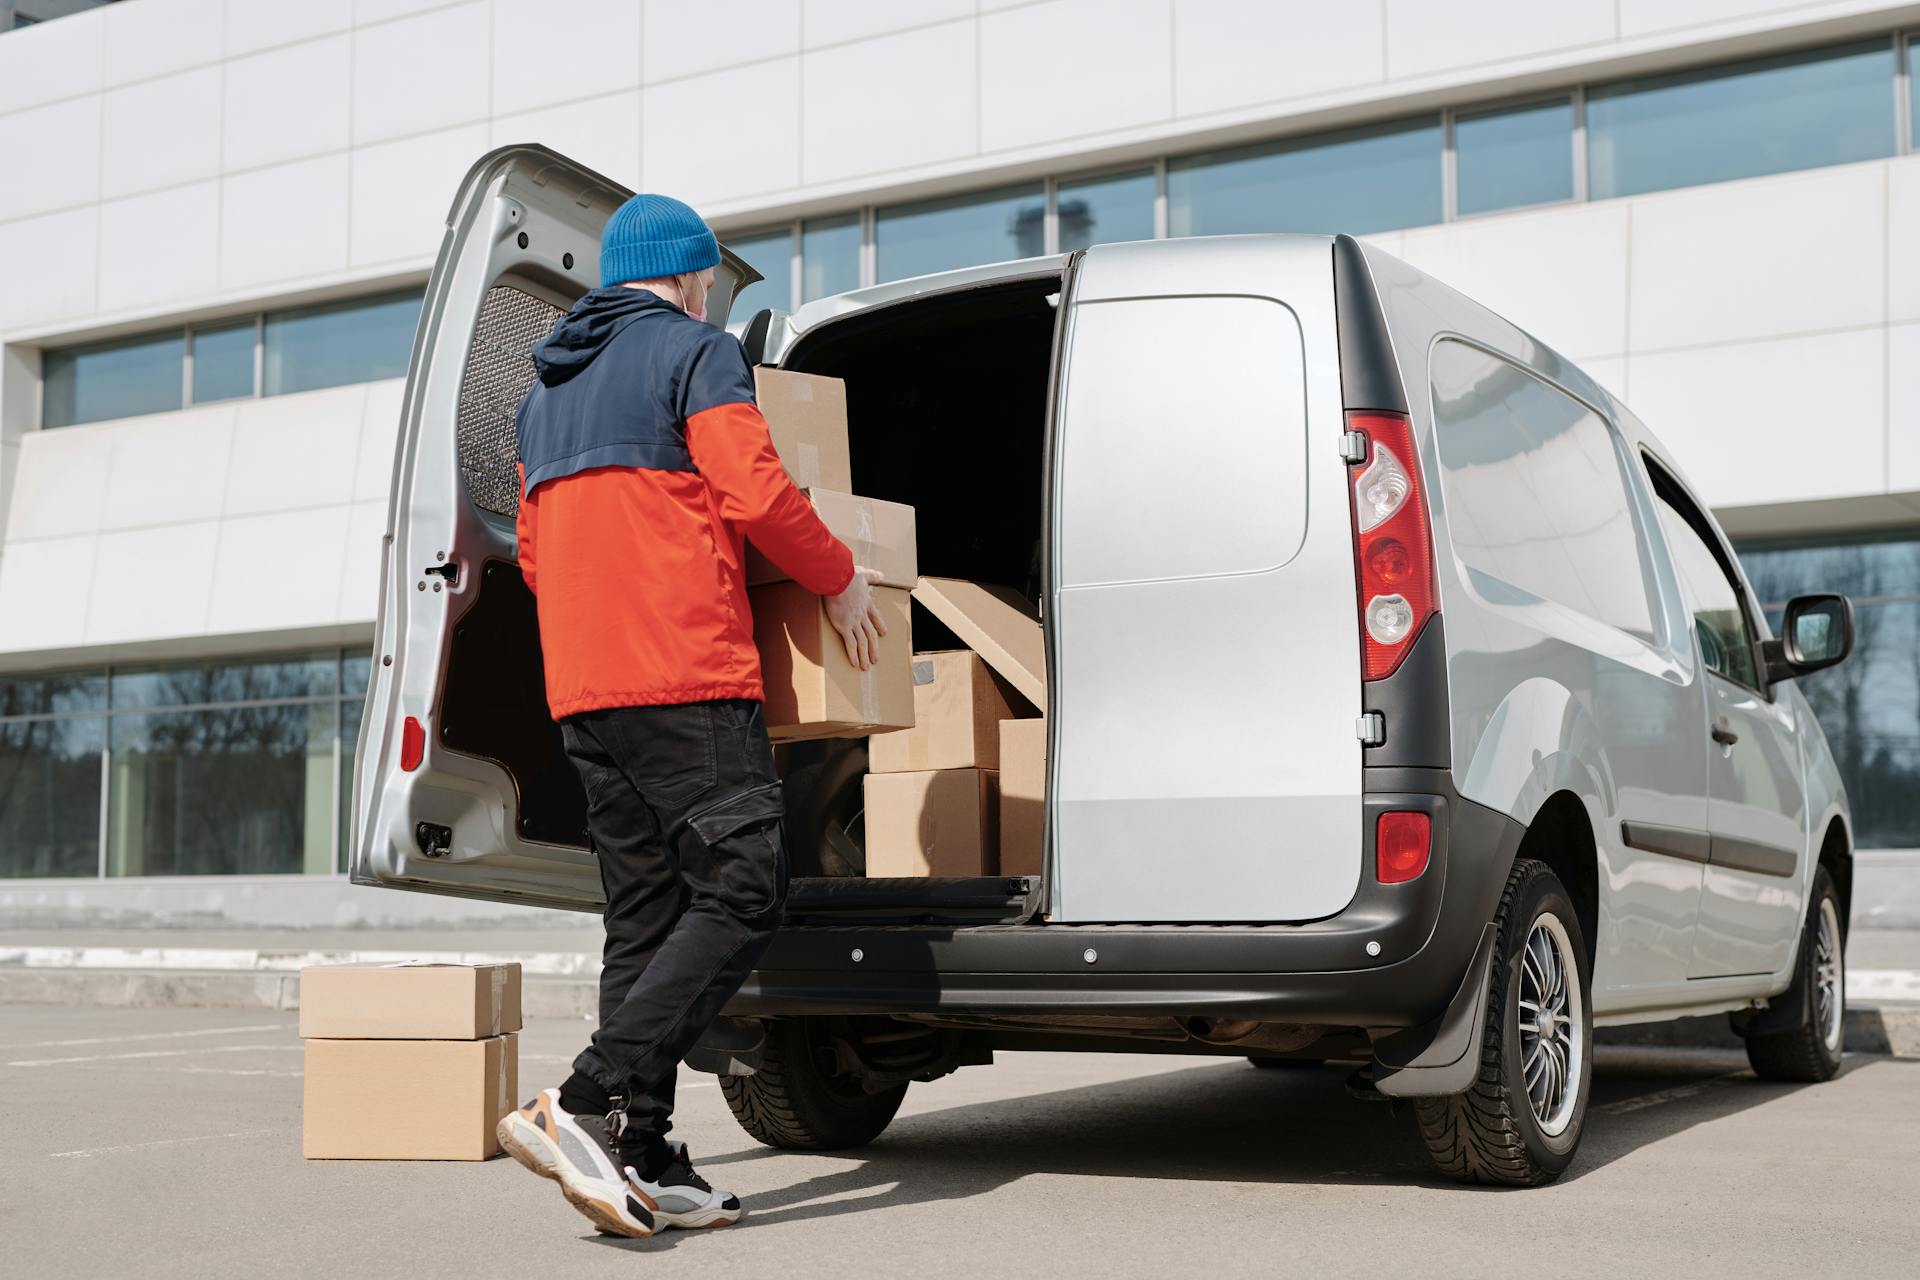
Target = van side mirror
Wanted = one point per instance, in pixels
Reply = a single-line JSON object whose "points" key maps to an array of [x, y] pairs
{"points": [[1816, 633]]}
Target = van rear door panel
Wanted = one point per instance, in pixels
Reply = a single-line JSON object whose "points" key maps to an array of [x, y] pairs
{"points": [[1208, 682]]}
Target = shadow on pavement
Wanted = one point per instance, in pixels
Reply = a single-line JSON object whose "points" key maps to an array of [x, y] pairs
{"points": [[1227, 1122]]}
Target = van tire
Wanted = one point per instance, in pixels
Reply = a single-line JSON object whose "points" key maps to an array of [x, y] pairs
{"points": [[1491, 1134], [1810, 1052], [796, 1101]]}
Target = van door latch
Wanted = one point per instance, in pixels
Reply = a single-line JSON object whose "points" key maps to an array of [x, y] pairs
{"points": [[1371, 729], [450, 570], [435, 840]]}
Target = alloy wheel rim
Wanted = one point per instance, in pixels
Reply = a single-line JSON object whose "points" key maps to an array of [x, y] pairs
{"points": [[1829, 985], [1552, 1025]]}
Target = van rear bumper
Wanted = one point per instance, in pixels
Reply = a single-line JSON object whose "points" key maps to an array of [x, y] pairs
{"points": [[1318, 972]]}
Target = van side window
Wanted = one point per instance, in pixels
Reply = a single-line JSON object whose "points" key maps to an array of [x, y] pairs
{"points": [[1536, 491], [1726, 643]]}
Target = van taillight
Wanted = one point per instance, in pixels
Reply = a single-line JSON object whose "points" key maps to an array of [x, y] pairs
{"points": [[413, 744], [1402, 842], [1391, 544]]}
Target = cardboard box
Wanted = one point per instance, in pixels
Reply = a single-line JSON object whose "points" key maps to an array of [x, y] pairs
{"points": [[812, 691], [880, 535], [958, 705], [1023, 796], [408, 1099], [409, 1001], [807, 416], [1009, 640], [938, 822]]}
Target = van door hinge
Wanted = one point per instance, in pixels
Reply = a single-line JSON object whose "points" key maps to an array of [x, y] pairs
{"points": [[1371, 729], [1353, 446]]}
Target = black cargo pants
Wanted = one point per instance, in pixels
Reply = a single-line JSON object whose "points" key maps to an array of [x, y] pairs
{"points": [[684, 809]]}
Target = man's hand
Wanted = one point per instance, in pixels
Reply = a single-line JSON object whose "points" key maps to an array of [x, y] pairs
{"points": [[858, 622]]}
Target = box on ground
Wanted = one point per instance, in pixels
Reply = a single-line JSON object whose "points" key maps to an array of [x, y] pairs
{"points": [[880, 535], [812, 691], [936, 822], [1008, 639], [958, 704], [408, 1099], [807, 417], [1023, 796], [409, 1001]]}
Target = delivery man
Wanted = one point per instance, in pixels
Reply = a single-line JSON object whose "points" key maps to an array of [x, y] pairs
{"points": [[644, 463]]}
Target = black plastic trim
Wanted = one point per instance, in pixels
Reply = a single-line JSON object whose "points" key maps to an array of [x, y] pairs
{"points": [[1674, 842], [1443, 1056], [1751, 855], [1413, 702], [1369, 375]]}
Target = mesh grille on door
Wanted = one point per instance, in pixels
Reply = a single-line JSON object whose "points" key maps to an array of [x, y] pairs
{"points": [[498, 374]]}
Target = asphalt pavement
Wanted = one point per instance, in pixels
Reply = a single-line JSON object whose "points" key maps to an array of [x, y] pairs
{"points": [[166, 1142]]}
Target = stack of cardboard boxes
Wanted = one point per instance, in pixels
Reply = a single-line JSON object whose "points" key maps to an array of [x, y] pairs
{"points": [[408, 1062], [812, 690]]}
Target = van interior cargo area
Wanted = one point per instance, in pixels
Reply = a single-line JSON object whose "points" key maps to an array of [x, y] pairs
{"points": [[947, 403]]}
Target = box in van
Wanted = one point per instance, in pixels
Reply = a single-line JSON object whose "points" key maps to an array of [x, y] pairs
{"points": [[958, 704], [812, 689], [879, 534], [807, 417]]}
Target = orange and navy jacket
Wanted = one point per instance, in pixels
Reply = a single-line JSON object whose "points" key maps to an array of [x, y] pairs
{"points": [[644, 465]]}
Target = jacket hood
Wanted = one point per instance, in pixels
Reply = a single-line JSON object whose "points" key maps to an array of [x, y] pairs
{"points": [[585, 331]]}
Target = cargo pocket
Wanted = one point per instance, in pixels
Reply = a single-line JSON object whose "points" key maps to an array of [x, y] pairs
{"points": [[739, 840]]}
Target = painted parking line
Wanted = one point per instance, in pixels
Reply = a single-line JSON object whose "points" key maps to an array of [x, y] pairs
{"points": [[88, 1152], [158, 1035], [1662, 1096], [155, 1053]]}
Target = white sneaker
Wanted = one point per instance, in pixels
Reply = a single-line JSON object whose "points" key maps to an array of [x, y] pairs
{"points": [[680, 1197], [573, 1150]]}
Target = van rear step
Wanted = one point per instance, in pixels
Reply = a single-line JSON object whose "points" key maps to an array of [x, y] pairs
{"points": [[909, 900]]}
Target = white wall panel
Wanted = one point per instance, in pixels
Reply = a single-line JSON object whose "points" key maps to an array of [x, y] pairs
{"points": [[160, 132], [1119, 72], [1560, 274], [49, 265], [302, 203], [1610, 372], [366, 11], [155, 37], [1903, 407], [720, 136], [259, 130], [58, 491], [261, 24], [1229, 53], [59, 146], [51, 60], [359, 598], [160, 247], [545, 53], [1423, 37], [680, 39], [1640, 17], [1903, 218], [401, 192], [843, 135], [421, 73], [379, 433], [1774, 421], [168, 470], [1766, 256], [251, 588], [151, 582], [44, 587], [295, 451], [601, 133], [836, 21]]}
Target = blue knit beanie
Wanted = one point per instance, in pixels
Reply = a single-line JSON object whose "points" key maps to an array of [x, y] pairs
{"points": [[652, 237]]}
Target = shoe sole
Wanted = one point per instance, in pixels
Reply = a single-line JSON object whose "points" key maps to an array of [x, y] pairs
{"points": [[699, 1220], [529, 1145]]}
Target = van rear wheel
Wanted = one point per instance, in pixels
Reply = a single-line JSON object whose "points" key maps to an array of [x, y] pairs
{"points": [[1519, 1123], [800, 1099]]}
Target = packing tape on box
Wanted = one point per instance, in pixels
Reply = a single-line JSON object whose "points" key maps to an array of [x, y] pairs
{"points": [[863, 534], [923, 671], [499, 1000], [501, 1103], [806, 466]]}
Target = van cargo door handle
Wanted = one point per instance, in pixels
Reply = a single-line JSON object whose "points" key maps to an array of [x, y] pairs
{"points": [[1724, 734]]}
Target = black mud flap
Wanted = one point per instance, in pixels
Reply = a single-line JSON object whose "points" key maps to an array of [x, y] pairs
{"points": [[1440, 1057]]}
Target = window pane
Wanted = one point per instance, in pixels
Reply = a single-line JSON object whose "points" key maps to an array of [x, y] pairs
{"points": [[112, 379], [1356, 180], [223, 362], [50, 797], [939, 235], [1725, 645], [234, 792], [1864, 568], [829, 256], [340, 342], [771, 254], [1769, 115], [55, 691], [1103, 210], [1535, 492], [356, 667], [1521, 156], [185, 684]]}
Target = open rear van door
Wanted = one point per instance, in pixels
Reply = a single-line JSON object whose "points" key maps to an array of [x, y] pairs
{"points": [[460, 784]]}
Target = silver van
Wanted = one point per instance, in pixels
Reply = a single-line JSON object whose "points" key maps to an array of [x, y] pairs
{"points": [[1404, 704]]}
